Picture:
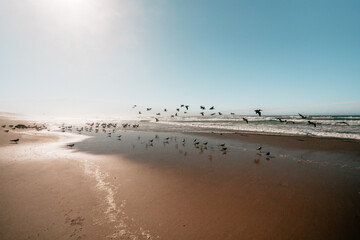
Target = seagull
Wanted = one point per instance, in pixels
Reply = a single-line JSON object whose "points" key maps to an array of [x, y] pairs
{"points": [[202, 113], [312, 123], [71, 145], [302, 116], [343, 123], [232, 113], [15, 140], [178, 109], [281, 120], [139, 112], [258, 111], [212, 108], [202, 107], [245, 119], [158, 114]]}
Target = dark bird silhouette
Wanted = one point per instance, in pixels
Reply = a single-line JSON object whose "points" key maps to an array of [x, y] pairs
{"points": [[15, 140], [165, 110], [134, 106], [182, 105], [175, 114], [151, 140], [232, 113], [259, 148], [172, 116], [6, 130], [245, 119], [158, 114], [281, 120], [156, 119], [187, 107], [139, 112], [202, 107], [258, 111], [224, 149], [268, 153], [71, 145], [302, 116], [205, 143], [148, 109], [195, 140], [183, 140], [220, 113], [212, 108], [312, 123], [196, 143], [343, 123], [3, 126], [212, 114], [222, 145], [202, 113], [178, 109]]}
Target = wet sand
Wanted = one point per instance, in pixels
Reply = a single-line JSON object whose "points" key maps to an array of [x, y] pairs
{"points": [[107, 188]]}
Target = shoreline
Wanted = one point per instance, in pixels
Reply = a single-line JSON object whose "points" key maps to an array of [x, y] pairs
{"points": [[104, 188]]}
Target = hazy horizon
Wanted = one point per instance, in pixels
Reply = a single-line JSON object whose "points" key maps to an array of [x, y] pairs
{"points": [[99, 58]]}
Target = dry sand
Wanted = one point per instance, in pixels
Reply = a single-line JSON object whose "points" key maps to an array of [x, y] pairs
{"points": [[109, 189]]}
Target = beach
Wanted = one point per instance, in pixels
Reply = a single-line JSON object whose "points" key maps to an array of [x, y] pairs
{"points": [[160, 185]]}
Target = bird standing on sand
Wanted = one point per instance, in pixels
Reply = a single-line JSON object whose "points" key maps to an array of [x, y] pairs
{"points": [[71, 145], [15, 140], [258, 111], [259, 148]]}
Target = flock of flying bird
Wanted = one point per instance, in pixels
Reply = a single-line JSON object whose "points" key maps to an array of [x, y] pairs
{"points": [[257, 111]]}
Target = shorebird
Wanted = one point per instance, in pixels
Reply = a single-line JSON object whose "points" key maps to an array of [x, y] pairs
{"points": [[139, 112], [151, 140], [224, 149], [6, 130], [220, 113], [222, 145], [3, 126], [71, 145], [205, 143], [258, 111], [202, 113], [172, 116], [158, 114], [212, 108], [212, 114], [268, 154], [312, 123], [183, 140], [259, 148], [202, 107], [182, 105], [245, 119], [15, 140], [302, 116], [232, 113]]}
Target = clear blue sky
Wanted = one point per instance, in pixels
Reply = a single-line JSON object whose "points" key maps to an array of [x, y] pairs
{"points": [[96, 57]]}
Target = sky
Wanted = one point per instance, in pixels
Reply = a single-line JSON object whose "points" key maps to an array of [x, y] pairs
{"points": [[100, 57]]}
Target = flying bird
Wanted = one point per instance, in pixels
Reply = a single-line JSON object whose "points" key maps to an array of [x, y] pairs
{"points": [[71, 145], [220, 113], [212, 114], [302, 116], [178, 109], [245, 119], [212, 108], [232, 113], [156, 119], [148, 109], [187, 107], [343, 123], [312, 123], [258, 111], [202, 113], [202, 107]]}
